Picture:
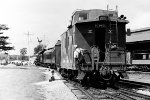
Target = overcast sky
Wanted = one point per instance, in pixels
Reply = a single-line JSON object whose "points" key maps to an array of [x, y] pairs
{"points": [[48, 19]]}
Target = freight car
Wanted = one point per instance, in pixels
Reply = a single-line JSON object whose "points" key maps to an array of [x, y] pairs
{"points": [[93, 49]]}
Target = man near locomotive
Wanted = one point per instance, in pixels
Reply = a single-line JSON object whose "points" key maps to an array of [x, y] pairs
{"points": [[78, 55]]}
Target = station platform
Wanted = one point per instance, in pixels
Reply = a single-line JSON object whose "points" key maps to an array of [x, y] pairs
{"points": [[55, 89], [139, 76]]}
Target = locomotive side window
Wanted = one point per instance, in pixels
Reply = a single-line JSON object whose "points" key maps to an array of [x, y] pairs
{"points": [[83, 16]]}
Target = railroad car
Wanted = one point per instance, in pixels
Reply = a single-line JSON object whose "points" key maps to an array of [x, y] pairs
{"points": [[138, 46], [39, 59], [58, 55], [101, 37], [50, 57], [139, 57]]}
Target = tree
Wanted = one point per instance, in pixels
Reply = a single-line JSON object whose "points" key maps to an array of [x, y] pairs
{"points": [[3, 39], [39, 48], [23, 52]]}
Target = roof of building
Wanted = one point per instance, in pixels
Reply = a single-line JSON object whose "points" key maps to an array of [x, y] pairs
{"points": [[140, 30], [142, 34]]}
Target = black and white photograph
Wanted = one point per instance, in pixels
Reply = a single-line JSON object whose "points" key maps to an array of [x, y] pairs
{"points": [[75, 50]]}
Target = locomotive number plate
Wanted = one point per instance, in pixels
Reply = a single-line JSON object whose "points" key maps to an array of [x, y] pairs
{"points": [[100, 25]]}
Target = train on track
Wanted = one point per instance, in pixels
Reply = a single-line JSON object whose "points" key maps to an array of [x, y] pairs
{"points": [[92, 50]]}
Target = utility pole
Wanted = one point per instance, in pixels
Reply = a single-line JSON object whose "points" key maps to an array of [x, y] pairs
{"points": [[28, 35]]}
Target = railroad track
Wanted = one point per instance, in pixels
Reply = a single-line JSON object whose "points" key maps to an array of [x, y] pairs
{"points": [[124, 92], [134, 83], [79, 91], [91, 94], [109, 94], [129, 88], [134, 95]]}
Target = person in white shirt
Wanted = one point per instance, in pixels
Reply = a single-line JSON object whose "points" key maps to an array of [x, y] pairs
{"points": [[77, 51], [78, 55]]}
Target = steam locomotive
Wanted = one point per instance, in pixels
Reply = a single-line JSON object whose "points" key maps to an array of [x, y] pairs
{"points": [[99, 39]]}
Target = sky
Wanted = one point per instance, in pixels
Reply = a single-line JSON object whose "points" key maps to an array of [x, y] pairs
{"points": [[48, 19]]}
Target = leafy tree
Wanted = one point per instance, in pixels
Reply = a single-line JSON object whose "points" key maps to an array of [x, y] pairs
{"points": [[23, 52], [39, 48], [3, 39]]}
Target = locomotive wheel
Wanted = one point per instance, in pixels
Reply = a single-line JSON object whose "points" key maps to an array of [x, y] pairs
{"points": [[96, 81], [110, 79], [107, 78], [93, 79], [86, 80], [71, 75]]}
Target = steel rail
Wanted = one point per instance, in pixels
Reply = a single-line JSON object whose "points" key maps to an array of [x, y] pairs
{"points": [[129, 91], [133, 93], [76, 87], [114, 94], [135, 83], [98, 94]]}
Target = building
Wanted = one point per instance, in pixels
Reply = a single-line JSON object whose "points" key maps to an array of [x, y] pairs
{"points": [[139, 46]]}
